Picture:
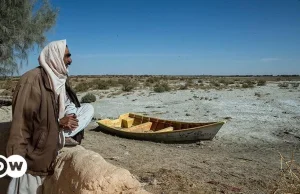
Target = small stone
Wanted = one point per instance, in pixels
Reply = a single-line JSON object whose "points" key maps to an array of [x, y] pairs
{"points": [[187, 114], [192, 185], [153, 182], [200, 143]]}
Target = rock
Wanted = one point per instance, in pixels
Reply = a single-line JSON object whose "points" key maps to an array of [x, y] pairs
{"points": [[200, 143], [257, 94], [187, 114], [153, 182], [78, 170]]}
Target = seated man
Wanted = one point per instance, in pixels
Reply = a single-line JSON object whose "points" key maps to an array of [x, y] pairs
{"points": [[84, 115]]}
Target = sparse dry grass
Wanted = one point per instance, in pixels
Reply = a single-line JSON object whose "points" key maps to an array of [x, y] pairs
{"points": [[103, 82], [289, 181]]}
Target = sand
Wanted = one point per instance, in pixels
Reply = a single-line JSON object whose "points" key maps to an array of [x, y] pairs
{"points": [[244, 156]]}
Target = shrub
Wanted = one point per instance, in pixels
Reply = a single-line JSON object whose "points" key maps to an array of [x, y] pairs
{"points": [[112, 83], [88, 98], [215, 84], [230, 82], [295, 85], [147, 84], [245, 85], [128, 85], [152, 80], [81, 87], [248, 84], [7, 93], [223, 81], [189, 82], [8, 84], [283, 85], [261, 82], [184, 87], [161, 87], [100, 84]]}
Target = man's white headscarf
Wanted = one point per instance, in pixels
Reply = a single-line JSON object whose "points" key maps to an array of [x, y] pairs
{"points": [[52, 60]]}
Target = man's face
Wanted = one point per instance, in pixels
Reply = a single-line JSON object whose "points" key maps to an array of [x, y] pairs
{"points": [[67, 57]]}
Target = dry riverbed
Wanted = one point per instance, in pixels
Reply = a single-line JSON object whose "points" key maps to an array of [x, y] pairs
{"points": [[243, 158]]}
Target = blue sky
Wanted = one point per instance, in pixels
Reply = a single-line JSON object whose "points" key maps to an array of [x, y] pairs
{"points": [[216, 37]]}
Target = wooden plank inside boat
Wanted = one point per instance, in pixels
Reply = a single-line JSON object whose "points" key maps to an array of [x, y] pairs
{"points": [[165, 129], [140, 128], [127, 122]]}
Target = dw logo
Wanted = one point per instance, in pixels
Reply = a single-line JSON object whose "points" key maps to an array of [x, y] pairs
{"points": [[14, 166]]}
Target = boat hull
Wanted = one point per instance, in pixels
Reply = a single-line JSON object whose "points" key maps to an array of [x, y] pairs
{"points": [[206, 132]]}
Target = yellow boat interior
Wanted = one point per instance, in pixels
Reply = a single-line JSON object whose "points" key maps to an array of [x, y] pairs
{"points": [[137, 123]]}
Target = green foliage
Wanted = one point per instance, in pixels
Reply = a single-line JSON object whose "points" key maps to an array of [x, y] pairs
{"points": [[161, 87], [23, 23], [88, 98]]}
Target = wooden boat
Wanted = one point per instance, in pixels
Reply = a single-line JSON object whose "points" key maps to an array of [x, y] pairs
{"points": [[141, 127]]}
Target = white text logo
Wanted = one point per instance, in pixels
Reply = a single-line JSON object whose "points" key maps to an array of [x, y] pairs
{"points": [[14, 166]]}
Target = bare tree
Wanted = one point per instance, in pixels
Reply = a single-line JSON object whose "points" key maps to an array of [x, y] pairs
{"points": [[23, 24]]}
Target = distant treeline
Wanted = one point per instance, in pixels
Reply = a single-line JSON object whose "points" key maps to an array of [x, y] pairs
{"points": [[107, 75], [196, 76]]}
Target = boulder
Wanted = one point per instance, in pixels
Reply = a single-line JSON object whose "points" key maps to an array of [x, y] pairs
{"points": [[81, 171]]}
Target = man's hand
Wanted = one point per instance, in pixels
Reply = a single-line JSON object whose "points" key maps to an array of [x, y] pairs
{"points": [[69, 122]]}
